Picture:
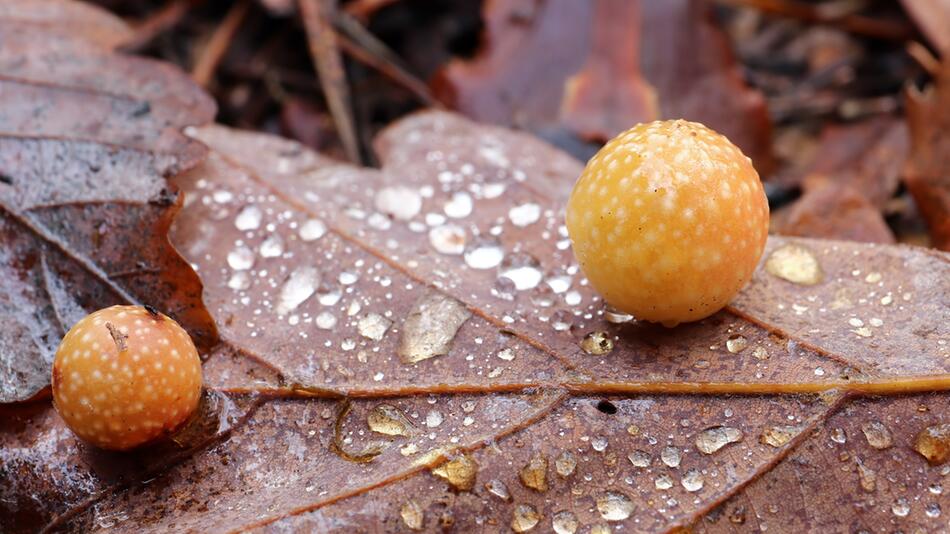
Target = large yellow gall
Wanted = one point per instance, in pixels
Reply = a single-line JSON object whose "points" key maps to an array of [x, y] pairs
{"points": [[668, 221]]}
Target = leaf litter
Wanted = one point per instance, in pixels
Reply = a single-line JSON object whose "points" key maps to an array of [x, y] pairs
{"points": [[480, 422]]}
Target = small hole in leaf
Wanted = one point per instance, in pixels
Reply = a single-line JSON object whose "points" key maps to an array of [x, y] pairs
{"points": [[606, 407]]}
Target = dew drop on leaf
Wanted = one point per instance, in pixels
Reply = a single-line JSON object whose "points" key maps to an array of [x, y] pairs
{"points": [[534, 474], [901, 508], [877, 434], [867, 477], [712, 439], [526, 517], [249, 218], [312, 229], [460, 472], [736, 344], [564, 522], [388, 420], [241, 258], [522, 269], [670, 456], [326, 320], [693, 480], [301, 284], [459, 206], [597, 343], [506, 354], [639, 458], [524, 214], [838, 435], [412, 515], [614, 506], [663, 482], [402, 203], [794, 263], [565, 464], [933, 443], [599, 444], [447, 239], [559, 283], [239, 281], [616, 316], [484, 254], [272, 247], [430, 327], [932, 510], [373, 326], [434, 418], [778, 436], [498, 489]]}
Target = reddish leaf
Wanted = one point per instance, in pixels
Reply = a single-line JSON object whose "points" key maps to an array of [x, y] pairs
{"points": [[833, 210], [63, 19], [926, 171], [532, 48]]}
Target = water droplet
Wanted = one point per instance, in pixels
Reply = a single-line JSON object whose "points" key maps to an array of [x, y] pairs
{"points": [[347, 278], [693, 480], [434, 418], [447, 239], [526, 517], [670, 456], [599, 443], [616, 316], [524, 214], [778, 436], [401, 202], [329, 295], [600, 529], [249, 218], [663, 482], [736, 344], [534, 474], [241, 258], [312, 229], [760, 353], [597, 343], [932, 510], [565, 464], [867, 477], [301, 284], [504, 288], [901, 507], [412, 515], [838, 435], [373, 326], [222, 197], [562, 320], [614, 506], [933, 443], [459, 206], [326, 320], [639, 458], [877, 434], [564, 522], [559, 283], [240, 280], [484, 254], [350, 344], [459, 472], [430, 327], [388, 420], [506, 354], [712, 439], [272, 247], [498, 489], [796, 264], [522, 269]]}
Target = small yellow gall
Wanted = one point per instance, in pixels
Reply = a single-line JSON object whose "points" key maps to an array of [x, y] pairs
{"points": [[125, 375], [668, 221]]}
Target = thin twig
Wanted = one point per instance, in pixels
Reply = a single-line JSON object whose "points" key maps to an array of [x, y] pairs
{"points": [[851, 22], [325, 51], [213, 52], [924, 57], [156, 24]]}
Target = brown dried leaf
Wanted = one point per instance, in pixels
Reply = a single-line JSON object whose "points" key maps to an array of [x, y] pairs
{"points": [[85, 206], [531, 49], [926, 176]]}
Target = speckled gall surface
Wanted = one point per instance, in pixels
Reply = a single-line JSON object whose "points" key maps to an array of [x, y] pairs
{"points": [[668, 221], [123, 376]]}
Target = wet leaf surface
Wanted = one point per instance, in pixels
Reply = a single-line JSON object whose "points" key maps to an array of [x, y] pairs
{"points": [[413, 348], [85, 206]]}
